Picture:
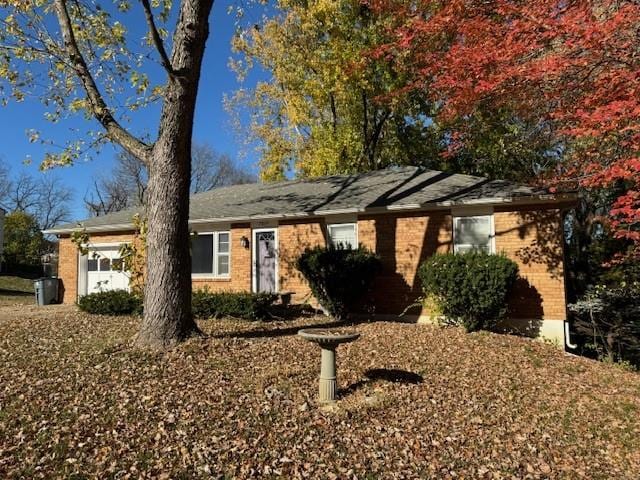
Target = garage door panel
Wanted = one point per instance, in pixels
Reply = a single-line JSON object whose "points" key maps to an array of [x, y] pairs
{"points": [[105, 270]]}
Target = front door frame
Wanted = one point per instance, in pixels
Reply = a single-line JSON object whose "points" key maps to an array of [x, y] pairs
{"points": [[254, 257]]}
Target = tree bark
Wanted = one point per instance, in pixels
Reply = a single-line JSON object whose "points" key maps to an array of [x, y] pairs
{"points": [[167, 304]]}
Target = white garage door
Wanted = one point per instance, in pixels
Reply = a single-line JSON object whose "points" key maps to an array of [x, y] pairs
{"points": [[105, 270]]}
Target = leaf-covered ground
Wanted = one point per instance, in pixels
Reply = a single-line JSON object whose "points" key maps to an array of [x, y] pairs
{"points": [[417, 402]]}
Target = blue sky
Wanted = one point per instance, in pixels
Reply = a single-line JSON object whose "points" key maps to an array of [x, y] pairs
{"points": [[212, 123]]}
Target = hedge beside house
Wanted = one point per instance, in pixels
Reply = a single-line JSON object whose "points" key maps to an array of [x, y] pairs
{"points": [[249, 306], [469, 289], [204, 304], [111, 302], [338, 277]]}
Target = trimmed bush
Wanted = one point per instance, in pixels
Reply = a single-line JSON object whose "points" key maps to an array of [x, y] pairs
{"points": [[470, 289], [111, 302], [338, 277], [608, 317], [249, 306]]}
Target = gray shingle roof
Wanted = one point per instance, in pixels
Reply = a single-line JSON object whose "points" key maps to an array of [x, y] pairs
{"points": [[390, 189]]}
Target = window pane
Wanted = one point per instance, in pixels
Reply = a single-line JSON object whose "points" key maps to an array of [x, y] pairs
{"points": [[223, 243], [202, 254], [105, 264], [343, 235], [473, 233], [116, 264], [472, 248], [92, 265], [223, 264]]}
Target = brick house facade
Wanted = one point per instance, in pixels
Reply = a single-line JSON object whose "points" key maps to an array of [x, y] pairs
{"points": [[527, 231]]}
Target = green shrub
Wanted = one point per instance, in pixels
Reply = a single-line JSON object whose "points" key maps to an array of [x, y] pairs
{"points": [[250, 306], [111, 302], [609, 317], [471, 288], [338, 277]]}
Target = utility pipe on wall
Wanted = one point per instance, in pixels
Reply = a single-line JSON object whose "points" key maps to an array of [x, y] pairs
{"points": [[567, 337]]}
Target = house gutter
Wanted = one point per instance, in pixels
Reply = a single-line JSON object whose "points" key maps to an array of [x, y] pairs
{"points": [[416, 207]]}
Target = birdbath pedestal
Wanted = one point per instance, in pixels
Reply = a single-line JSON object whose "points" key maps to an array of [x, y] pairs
{"points": [[328, 340]]}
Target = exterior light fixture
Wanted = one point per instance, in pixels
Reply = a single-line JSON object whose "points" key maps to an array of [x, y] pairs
{"points": [[244, 242]]}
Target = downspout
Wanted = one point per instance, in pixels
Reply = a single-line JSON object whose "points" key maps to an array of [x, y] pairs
{"points": [[567, 330], [567, 337]]}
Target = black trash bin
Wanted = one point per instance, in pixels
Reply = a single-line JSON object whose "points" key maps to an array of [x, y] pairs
{"points": [[46, 290]]}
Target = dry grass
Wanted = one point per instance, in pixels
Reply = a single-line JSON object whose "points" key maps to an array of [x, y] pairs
{"points": [[16, 290], [77, 402]]}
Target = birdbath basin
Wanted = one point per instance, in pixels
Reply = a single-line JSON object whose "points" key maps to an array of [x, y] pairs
{"points": [[328, 339]]}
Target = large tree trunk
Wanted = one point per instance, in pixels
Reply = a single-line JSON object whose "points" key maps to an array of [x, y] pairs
{"points": [[167, 300]]}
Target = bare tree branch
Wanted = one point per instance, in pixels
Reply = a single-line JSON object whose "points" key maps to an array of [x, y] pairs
{"points": [[157, 40], [127, 185], [98, 105], [5, 186], [106, 197], [43, 197], [53, 201], [23, 193]]}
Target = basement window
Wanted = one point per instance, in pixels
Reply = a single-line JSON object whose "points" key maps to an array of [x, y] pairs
{"points": [[210, 254], [343, 235], [473, 233]]}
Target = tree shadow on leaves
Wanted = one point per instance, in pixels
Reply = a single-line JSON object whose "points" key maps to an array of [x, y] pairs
{"points": [[15, 293], [383, 374], [287, 331]]}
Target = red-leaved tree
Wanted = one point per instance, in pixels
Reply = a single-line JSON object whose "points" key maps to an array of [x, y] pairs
{"points": [[571, 65]]}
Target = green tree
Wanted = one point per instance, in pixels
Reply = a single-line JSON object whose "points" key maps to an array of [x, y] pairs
{"points": [[86, 57], [23, 241], [322, 111], [494, 142]]}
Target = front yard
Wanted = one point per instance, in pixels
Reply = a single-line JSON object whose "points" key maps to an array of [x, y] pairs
{"points": [[417, 401]]}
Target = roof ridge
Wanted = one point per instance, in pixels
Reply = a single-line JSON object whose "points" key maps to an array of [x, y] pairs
{"points": [[400, 187], [293, 181]]}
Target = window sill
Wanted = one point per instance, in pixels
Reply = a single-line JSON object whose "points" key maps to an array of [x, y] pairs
{"points": [[209, 278]]}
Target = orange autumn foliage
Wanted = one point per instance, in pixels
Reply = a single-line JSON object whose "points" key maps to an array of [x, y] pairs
{"points": [[574, 66]]}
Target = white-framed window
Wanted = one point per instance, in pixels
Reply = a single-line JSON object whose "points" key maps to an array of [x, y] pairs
{"points": [[98, 263], [473, 233], [211, 254], [343, 235]]}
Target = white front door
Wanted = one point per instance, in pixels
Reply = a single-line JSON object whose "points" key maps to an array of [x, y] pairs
{"points": [[265, 256], [105, 270]]}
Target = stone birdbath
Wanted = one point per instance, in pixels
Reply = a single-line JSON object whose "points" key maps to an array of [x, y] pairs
{"points": [[328, 340]]}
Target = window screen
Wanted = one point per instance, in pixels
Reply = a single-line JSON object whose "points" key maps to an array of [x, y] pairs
{"points": [[343, 235], [202, 253], [472, 233]]}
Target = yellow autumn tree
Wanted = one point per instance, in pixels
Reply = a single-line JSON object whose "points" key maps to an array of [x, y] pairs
{"points": [[323, 108]]}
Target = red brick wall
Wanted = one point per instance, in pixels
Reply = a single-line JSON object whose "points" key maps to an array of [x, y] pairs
{"points": [[293, 237], [533, 239], [68, 261], [68, 270], [240, 263], [403, 242], [240, 278], [530, 237]]}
